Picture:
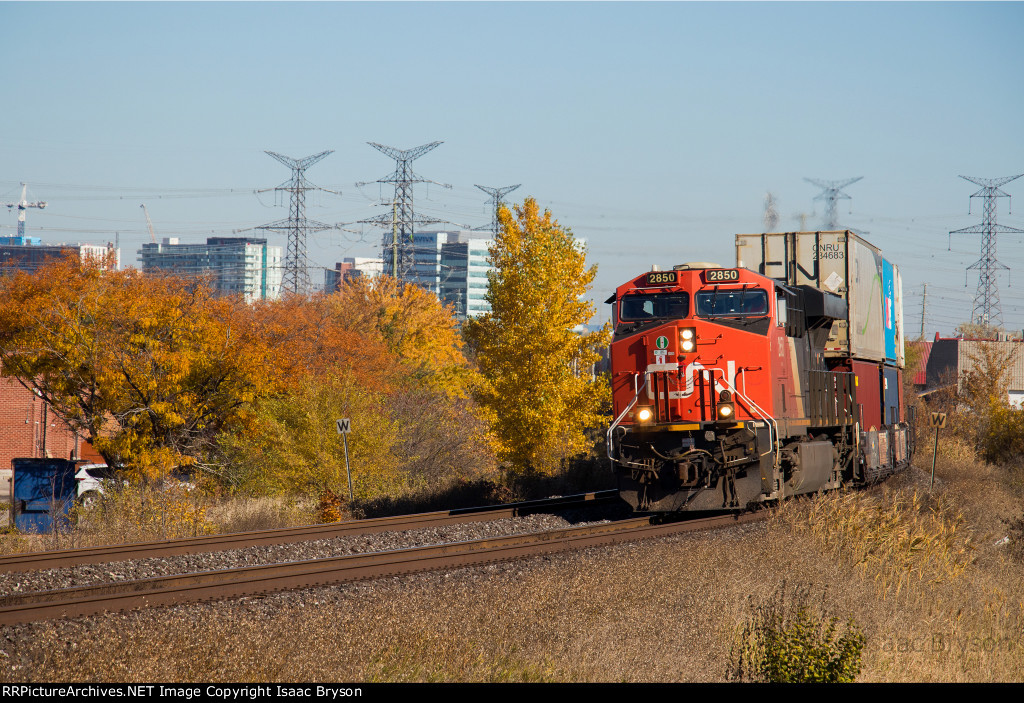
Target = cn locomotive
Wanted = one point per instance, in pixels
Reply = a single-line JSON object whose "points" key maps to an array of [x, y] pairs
{"points": [[777, 377]]}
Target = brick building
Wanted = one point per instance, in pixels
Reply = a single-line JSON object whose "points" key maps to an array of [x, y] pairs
{"points": [[30, 429]]}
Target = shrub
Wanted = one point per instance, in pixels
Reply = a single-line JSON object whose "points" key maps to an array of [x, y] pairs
{"points": [[137, 513], [786, 641], [1002, 440]]}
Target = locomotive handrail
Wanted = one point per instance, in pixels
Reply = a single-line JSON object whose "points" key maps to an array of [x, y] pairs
{"points": [[608, 445], [772, 425]]}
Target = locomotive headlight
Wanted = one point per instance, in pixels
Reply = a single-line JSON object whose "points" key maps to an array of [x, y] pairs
{"points": [[644, 414], [726, 411], [687, 338]]}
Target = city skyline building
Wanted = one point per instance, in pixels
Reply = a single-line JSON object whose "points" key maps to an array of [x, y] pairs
{"points": [[245, 266], [22, 253], [351, 268], [453, 266]]}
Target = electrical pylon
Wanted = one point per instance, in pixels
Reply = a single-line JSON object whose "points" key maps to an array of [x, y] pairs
{"points": [[771, 212], [496, 195], [401, 222], [831, 192], [987, 309], [296, 264]]}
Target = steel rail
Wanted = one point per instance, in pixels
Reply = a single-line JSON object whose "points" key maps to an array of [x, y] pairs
{"points": [[237, 540], [256, 580]]}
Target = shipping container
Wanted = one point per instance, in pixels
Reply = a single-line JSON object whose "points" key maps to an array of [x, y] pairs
{"points": [[888, 314], [891, 395], [869, 395], [901, 352], [892, 313], [840, 262]]}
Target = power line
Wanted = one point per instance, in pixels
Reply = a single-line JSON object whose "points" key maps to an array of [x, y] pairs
{"points": [[401, 221], [831, 192], [987, 309], [296, 274], [496, 195]]}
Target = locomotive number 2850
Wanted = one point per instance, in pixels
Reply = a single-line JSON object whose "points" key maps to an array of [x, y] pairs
{"points": [[717, 275], [661, 278]]}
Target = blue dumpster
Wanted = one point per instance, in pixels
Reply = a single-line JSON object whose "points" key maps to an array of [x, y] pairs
{"points": [[44, 492]]}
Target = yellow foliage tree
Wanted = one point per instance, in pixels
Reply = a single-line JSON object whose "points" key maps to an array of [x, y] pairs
{"points": [[149, 368], [293, 446], [541, 393], [389, 357], [414, 325]]}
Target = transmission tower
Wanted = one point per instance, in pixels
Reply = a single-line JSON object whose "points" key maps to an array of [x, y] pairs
{"points": [[400, 222], [830, 193], [987, 309], [771, 213], [496, 195], [296, 265]]}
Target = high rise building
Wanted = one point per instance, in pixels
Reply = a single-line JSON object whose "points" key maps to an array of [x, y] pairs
{"points": [[29, 253], [245, 266], [453, 266]]}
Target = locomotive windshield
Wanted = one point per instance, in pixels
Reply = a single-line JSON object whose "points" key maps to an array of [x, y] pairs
{"points": [[732, 303], [655, 306]]}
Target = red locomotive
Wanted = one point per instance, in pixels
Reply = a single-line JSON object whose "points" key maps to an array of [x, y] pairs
{"points": [[777, 377]]}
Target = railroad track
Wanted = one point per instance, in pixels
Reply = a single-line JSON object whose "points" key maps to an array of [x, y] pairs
{"points": [[257, 580], [239, 540]]}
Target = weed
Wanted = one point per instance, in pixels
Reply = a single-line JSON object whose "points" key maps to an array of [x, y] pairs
{"points": [[432, 662], [329, 508], [900, 537], [135, 513], [786, 641]]}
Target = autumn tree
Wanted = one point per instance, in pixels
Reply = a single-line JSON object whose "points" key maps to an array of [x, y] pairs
{"points": [[540, 393], [292, 446], [998, 428], [149, 368], [414, 325], [314, 337], [386, 355]]}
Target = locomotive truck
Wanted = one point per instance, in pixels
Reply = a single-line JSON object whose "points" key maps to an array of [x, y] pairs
{"points": [[777, 377]]}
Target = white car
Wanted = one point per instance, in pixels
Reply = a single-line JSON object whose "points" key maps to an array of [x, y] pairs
{"points": [[90, 479], [94, 479]]}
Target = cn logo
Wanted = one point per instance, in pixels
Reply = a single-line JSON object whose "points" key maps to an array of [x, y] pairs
{"points": [[730, 370]]}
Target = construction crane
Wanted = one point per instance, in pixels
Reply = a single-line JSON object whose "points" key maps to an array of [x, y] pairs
{"points": [[149, 223], [22, 206]]}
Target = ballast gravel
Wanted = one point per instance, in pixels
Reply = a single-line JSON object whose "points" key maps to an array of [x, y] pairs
{"points": [[113, 572], [353, 631]]}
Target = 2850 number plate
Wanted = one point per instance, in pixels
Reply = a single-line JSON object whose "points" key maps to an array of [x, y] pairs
{"points": [[661, 278], [721, 275]]}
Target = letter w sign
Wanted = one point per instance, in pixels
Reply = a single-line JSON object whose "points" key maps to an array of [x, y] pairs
{"points": [[344, 425]]}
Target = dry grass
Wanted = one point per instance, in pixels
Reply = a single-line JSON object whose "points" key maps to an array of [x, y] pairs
{"points": [[137, 515], [899, 538], [919, 573]]}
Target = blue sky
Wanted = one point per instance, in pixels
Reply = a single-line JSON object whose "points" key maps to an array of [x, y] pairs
{"points": [[653, 130]]}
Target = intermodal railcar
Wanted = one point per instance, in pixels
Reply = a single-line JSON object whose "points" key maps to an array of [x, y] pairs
{"points": [[781, 375]]}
